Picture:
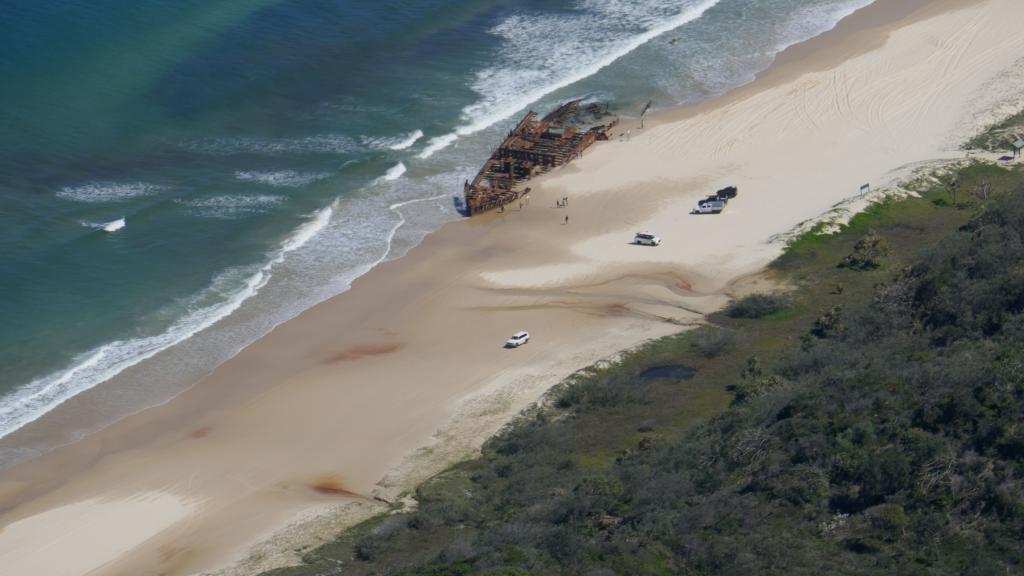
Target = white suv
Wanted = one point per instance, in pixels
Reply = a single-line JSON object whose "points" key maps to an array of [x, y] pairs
{"points": [[518, 339], [646, 239]]}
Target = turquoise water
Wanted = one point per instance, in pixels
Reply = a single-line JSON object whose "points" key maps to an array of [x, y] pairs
{"points": [[177, 177]]}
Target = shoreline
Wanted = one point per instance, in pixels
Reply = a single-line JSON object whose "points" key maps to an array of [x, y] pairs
{"points": [[261, 418], [95, 405], [60, 426]]}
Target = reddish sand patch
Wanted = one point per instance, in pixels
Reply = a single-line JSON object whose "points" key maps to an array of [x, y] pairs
{"points": [[616, 310], [200, 432], [363, 351], [331, 486]]}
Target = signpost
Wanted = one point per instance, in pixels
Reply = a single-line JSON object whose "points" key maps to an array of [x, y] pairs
{"points": [[644, 112]]}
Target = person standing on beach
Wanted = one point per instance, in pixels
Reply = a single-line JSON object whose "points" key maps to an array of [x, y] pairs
{"points": [[566, 218]]}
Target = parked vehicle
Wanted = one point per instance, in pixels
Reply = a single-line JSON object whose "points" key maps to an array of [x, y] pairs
{"points": [[518, 339], [727, 193], [709, 207], [646, 239]]}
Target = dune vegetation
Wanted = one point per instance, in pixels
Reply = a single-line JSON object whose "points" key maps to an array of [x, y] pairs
{"points": [[867, 421]]}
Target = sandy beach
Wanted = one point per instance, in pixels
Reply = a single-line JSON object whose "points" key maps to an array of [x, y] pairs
{"points": [[358, 398]]}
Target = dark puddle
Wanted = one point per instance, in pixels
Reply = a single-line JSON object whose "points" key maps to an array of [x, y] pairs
{"points": [[667, 372]]}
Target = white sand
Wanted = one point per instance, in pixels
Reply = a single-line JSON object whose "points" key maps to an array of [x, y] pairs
{"points": [[73, 539]]}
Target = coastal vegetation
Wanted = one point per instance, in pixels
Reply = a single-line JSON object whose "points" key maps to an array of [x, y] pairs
{"points": [[1001, 136], [866, 422], [756, 306]]}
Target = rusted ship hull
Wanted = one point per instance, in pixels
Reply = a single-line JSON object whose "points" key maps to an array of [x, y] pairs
{"points": [[531, 148]]}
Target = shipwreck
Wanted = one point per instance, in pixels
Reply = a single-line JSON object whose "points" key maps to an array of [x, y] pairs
{"points": [[531, 148]]}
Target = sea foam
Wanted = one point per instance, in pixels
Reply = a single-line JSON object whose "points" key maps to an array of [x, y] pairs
{"points": [[102, 192], [395, 172], [814, 19], [401, 142], [284, 178], [299, 257], [111, 226], [114, 225], [545, 52], [315, 144], [230, 206], [222, 297]]}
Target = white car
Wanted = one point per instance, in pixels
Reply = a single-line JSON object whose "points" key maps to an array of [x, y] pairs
{"points": [[518, 339], [709, 207], [646, 239]]}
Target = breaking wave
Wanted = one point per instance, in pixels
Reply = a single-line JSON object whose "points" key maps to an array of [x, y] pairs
{"points": [[223, 296], [395, 172], [402, 142], [543, 53], [112, 226]]}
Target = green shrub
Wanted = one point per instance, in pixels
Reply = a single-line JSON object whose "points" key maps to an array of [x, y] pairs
{"points": [[756, 306], [829, 324], [867, 253]]}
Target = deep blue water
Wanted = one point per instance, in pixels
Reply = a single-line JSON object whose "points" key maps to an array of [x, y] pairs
{"points": [[263, 153]]}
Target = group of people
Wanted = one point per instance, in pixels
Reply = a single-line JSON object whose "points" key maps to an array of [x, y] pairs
{"points": [[561, 203]]}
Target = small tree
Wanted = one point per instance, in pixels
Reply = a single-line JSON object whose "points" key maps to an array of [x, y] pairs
{"points": [[829, 323], [983, 189], [867, 253], [754, 382], [952, 186]]}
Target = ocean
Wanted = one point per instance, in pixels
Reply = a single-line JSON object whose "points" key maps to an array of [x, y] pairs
{"points": [[178, 177]]}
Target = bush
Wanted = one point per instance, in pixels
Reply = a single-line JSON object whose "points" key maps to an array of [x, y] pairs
{"points": [[756, 306], [867, 253], [829, 324]]}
